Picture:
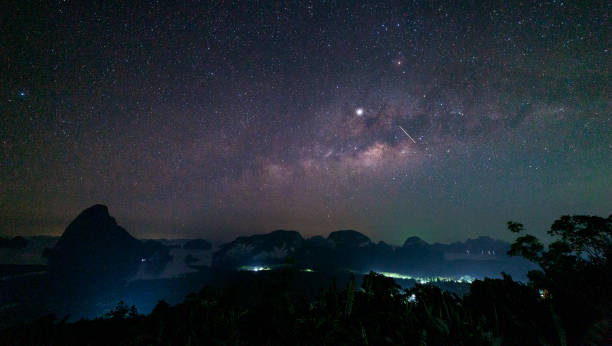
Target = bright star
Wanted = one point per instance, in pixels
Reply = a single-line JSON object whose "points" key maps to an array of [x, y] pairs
{"points": [[359, 111]]}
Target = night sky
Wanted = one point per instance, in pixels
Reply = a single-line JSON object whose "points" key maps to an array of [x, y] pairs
{"points": [[215, 120]]}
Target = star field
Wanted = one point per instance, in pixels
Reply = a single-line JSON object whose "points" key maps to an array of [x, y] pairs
{"points": [[442, 120]]}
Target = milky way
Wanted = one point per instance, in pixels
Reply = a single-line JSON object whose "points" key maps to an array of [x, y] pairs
{"points": [[441, 120]]}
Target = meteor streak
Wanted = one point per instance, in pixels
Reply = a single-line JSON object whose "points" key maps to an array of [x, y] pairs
{"points": [[407, 134]]}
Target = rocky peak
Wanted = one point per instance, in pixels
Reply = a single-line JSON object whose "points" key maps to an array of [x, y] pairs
{"points": [[94, 244], [94, 227], [414, 241], [348, 238]]}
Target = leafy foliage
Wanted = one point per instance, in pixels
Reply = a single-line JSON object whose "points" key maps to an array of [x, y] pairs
{"points": [[574, 271], [377, 313], [122, 311]]}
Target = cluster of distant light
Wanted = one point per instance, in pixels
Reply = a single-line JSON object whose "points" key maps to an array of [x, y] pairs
{"points": [[254, 268], [420, 280], [426, 280], [266, 268]]}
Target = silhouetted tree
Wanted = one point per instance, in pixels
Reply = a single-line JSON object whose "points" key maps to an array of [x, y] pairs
{"points": [[574, 270], [121, 311]]}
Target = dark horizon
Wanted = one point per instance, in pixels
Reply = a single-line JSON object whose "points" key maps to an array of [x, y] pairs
{"points": [[503, 234], [223, 241], [205, 120]]}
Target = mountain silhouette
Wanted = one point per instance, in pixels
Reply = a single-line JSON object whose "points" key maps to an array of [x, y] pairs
{"points": [[271, 248], [348, 239], [349, 249], [94, 244]]}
